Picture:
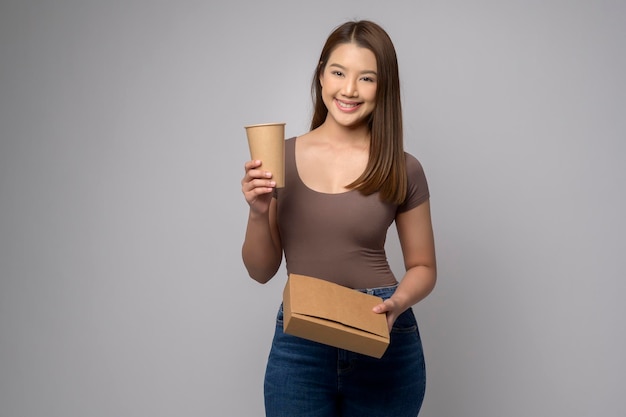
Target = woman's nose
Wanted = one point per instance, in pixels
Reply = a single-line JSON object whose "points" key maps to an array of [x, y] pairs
{"points": [[350, 88]]}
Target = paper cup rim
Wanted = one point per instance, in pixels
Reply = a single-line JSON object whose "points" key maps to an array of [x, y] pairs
{"points": [[264, 124]]}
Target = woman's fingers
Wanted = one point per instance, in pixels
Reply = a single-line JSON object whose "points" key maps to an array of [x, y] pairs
{"points": [[390, 308], [259, 186], [256, 185], [252, 173]]}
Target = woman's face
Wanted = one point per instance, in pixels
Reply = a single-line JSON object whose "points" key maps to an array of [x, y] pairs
{"points": [[349, 85]]}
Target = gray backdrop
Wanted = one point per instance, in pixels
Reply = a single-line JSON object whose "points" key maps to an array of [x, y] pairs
{"points": [[122, 146]]}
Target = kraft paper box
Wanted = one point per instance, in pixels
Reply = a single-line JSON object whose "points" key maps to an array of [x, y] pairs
{"points": [[328, 313]]}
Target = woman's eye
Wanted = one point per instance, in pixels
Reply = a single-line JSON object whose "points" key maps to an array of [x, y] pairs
{"points": [[337, 73]]}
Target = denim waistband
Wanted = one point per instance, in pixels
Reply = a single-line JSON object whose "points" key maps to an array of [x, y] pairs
{"points": [[382, 292]]}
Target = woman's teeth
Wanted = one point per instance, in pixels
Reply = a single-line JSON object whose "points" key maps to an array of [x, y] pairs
{"points": [[347, 105]]}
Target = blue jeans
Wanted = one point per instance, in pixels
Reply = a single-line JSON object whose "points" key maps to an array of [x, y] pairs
{"points": [[309, 379]]}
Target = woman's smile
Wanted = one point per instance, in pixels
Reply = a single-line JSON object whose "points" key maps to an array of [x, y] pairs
{"points": [[347, 106]]}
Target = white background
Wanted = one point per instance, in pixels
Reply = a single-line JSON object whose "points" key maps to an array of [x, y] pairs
{"points": [[122, 292]]}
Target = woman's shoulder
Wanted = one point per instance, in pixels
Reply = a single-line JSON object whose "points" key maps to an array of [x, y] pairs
{"points": [[301, 139], [417, 191], [413, 165], [290, 144], [305, 138]]}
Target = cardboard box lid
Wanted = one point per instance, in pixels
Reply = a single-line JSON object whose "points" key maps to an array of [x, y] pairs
{"points": [[322, 299]]}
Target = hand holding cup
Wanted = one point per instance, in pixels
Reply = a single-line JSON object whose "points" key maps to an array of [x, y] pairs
{"points": [[266, 170]]}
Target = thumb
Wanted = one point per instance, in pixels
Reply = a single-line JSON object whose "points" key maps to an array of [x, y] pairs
{"points": [[381, 308]]}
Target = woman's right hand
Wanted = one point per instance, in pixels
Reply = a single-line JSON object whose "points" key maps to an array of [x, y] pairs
{"points": [[262, 250], [257, 187]]}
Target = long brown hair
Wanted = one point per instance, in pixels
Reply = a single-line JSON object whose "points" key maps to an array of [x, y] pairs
{"points": [[386, 168]]}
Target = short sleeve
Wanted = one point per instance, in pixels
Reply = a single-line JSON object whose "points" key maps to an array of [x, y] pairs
{"points": [[417, 190]]}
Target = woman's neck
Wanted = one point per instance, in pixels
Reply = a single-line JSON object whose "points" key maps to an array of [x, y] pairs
{"points": [[349, 136]]}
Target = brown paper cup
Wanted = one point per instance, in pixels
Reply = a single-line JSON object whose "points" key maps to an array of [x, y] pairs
{"points": [[267, 143]]}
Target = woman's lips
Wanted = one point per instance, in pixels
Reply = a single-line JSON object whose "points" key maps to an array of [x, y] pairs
{"points": [[347, 106]]}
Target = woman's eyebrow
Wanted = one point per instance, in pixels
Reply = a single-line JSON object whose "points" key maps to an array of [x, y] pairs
{"points": [[341, 67]]}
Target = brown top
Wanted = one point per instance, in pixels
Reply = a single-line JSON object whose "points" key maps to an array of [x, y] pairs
{"points": [[340, 237]]}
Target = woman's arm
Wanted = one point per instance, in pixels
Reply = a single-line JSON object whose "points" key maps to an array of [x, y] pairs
{"points": [[418, 248], [262, 249]]}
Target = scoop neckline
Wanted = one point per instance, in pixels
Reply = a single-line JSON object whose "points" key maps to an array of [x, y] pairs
{"points": [[295, 164]]}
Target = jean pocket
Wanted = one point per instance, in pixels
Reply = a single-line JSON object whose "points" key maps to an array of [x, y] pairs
{"points": [[405, 323]]}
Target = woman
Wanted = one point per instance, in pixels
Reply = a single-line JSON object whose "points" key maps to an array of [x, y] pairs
{"points": [[347, 180]]}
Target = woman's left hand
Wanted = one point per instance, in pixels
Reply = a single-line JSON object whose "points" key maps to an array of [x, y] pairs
{"points": [[392, 308]]}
